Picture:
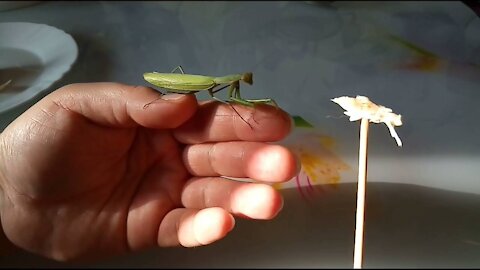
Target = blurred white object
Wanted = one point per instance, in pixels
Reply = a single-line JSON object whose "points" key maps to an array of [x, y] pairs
{"points": [[361, 107], [33, 57]]}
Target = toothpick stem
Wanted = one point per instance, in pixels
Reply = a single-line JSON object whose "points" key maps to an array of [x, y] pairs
{"points": [[362, 180]]}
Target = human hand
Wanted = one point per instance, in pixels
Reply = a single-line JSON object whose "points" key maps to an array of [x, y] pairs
{"points": [[88, 172]]}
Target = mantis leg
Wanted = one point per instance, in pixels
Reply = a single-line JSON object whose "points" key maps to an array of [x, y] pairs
{"points": [[211, 92], [242, 101], [219, 89], [236, 92], [148, 104], [263, 100], [179, 68], [234, 95]]}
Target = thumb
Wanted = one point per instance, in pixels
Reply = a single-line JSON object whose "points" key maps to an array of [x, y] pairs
{"points": [[119, 105]]}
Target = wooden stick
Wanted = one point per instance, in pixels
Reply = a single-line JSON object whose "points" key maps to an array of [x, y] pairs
{"points": [[362, 180], [358, 108]]}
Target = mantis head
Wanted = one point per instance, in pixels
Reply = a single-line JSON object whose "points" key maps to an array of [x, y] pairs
{"points": [[247, 77]]}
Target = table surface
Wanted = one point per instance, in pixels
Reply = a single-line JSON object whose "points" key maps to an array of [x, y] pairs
{"points": [[422, 59]]}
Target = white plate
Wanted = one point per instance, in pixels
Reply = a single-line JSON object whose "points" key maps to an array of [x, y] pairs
{"points": [[11, 5], [33, 56]]}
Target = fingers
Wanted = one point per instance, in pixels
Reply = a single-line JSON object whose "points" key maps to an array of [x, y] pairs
{"points": [[259, 161], [257, 201], [210, 203], [220, 122], [120, 105], [190, 227]]}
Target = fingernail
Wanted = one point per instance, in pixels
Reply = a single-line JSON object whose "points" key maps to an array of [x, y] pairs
{"points": [[172, 96]]}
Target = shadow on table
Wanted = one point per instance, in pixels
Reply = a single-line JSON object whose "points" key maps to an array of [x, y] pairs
{"points": [[406, 226]]}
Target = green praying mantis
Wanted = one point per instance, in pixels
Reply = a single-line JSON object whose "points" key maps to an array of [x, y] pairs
{"points": [[189, 84]]}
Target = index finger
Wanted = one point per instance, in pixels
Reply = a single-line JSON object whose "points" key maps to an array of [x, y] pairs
{"points": [[120, 105], [218, 122]]}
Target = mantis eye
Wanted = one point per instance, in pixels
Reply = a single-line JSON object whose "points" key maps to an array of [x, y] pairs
{"points": [[248, 77]]}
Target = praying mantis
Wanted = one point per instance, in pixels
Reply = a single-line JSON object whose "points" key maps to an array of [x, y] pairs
{"points": [[189, 84]]}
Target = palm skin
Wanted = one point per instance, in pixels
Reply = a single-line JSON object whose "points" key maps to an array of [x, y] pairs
{"points": [[88, 172]]}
